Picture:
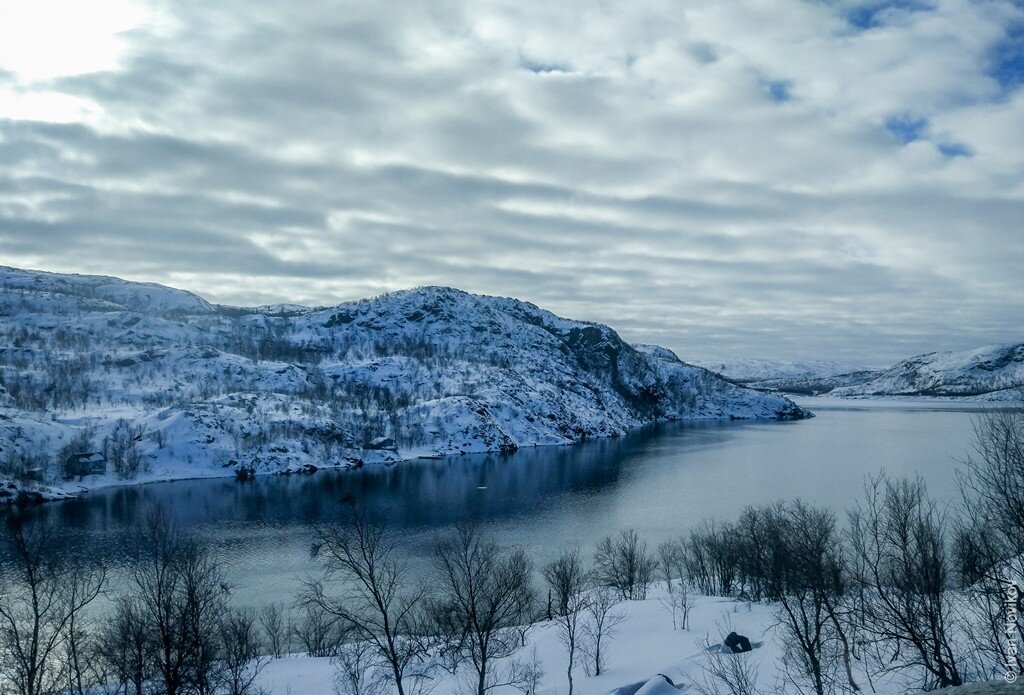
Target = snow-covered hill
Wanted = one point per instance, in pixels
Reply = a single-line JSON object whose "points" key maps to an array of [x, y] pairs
{"points": [[808, 378], [167, 385], [994, 373], [757, 370], [989, 373]]}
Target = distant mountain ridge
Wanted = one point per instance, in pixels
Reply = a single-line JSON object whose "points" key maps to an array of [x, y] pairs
{"points": [[169, 385], [989, 373]]}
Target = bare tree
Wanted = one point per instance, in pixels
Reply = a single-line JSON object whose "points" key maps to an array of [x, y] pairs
{"points": [[121, 448], [711, 558], [241, 654], [124, 646], [995, 474], [180, 593], [568, 578], [355, 667], [671, 562], [990, 541], [275, 628], [800, 565], [486, 599], [42, 600], [379, 604], [318, 633], [600, 626], [82, 584], [905, 570], [533, 674], [677, 603], [623, 562]]}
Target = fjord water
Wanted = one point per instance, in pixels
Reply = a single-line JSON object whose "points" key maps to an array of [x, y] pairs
{"points": [[661, 481]]}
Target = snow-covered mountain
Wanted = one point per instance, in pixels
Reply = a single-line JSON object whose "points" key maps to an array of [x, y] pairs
{"points": [[166, 385], [755, 370], [989, 373], [809, 378]]}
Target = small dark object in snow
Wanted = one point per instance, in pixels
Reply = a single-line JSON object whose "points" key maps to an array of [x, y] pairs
{"points": [[737, 643]]}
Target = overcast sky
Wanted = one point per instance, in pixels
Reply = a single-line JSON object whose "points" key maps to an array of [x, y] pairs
{"points": [[773, 178]]}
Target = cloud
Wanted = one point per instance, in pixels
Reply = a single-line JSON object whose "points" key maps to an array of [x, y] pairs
{"points": [[725, 177]]}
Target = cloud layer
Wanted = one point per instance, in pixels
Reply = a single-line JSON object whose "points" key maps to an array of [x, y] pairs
{"points": [[781, 178]]}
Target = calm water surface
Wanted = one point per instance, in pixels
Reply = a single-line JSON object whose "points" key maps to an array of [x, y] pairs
{"points": [[661, 481]]}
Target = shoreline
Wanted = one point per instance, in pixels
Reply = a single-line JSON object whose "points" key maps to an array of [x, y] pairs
{"points": [[63, 492]]}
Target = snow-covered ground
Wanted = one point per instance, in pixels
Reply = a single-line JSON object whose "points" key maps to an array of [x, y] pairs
{"points": [[645, 645]]}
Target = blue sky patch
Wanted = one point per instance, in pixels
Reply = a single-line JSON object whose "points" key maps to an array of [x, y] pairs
{"points": [[541, 68], [907, 128], [866, 15], [779, 90], [954, 149], [1006, 59]]}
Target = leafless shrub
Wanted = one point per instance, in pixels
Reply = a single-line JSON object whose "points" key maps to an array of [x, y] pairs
{"points": [[355, 670], [318, 633], [275, 628], [905, 571], [711, 559], [241, 652], [532, 674], [726, 674], [989, 547], [623, 562], [671, 562], [678, 604]]}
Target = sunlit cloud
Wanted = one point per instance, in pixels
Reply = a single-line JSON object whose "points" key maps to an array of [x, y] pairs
{"points": [[45, 39]]}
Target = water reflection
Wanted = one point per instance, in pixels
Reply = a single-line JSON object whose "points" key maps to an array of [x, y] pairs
{"points": [[661, 480], [411, 494]]}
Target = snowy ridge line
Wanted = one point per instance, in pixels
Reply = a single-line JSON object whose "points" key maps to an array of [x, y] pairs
{"points": [[992, 373], [165, 385]]}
